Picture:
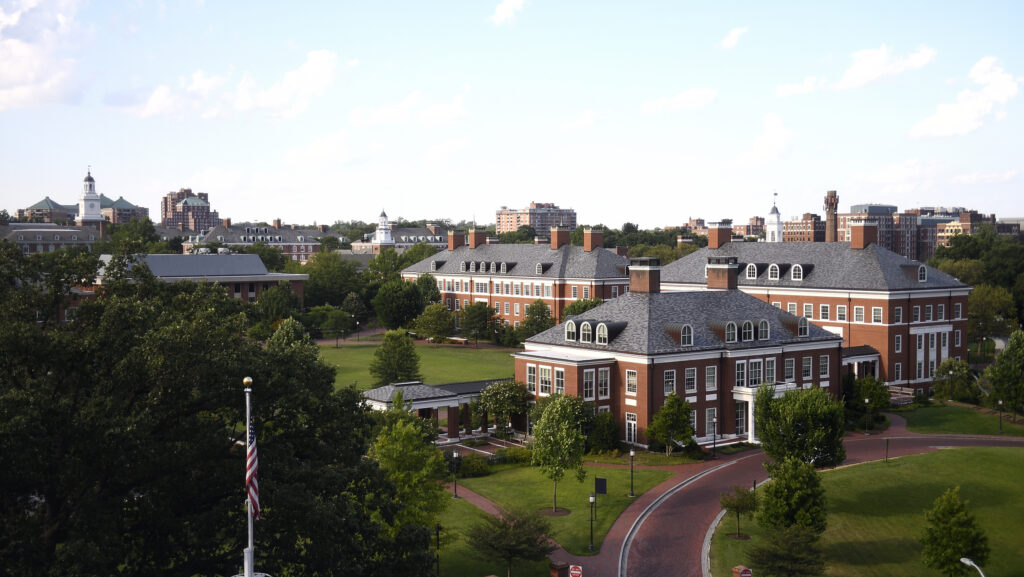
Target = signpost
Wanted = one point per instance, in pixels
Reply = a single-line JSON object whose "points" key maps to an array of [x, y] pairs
{"points": [[575, 571]]}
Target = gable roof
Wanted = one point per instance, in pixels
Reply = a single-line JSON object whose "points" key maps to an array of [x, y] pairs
{"points": [[826, 265], [521, 260]]}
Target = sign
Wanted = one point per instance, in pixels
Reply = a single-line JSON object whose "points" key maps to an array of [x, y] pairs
{"points": [[600, 486], [746, 573], [575, 571]]}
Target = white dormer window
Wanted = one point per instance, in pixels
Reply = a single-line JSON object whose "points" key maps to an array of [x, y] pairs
{"points": [[21, 237], [802, 329], [686, 336], [504, 268], [301, 239], [540, 268], [773, 272], [433, 265], [472, 266], [494, 267], [570, 331], [56, 237], [798, 272], [483, 266], [74, 237], [763, 332], [585, 333], [922, 274], [730, 332], [748, 331], [462, 266], [602, 334], [751, 270]]}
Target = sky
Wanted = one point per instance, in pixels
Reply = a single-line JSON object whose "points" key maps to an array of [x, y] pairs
{"points": [[648, 112]]}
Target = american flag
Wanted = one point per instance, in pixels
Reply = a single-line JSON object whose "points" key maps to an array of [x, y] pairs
{"points": [[251, 466]]}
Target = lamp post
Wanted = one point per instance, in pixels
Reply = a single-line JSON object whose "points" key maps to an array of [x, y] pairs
{"points": [[632, 453], [949, 393], [437, 553], [970, 563], [455, 481], [593, 500], [1000, 416], [357, 331], [867, 416], [714, 437]]}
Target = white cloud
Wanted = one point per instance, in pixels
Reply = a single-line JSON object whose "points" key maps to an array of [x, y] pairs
{"points": [[771, 143], [867, 67], [506, 11], [986, 177], [810, 84], [685, 100], [203, 84], [732, 38], [32, 69], [410, 109], [162, 102], [585, 119], [972, 106], [909, 176]]}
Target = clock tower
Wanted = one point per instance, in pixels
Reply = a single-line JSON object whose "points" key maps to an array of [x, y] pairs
{"points": [[89, 203]]}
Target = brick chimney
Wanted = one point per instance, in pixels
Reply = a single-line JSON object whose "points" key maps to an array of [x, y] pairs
{"points": [[592, 238], [723, 271], [277, 223], [477, 237], [456, 239], [226, 223], [559, 237], [719, 233], [863, 231], [644, 275]]}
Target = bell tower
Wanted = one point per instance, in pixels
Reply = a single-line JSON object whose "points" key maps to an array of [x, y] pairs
{"points": [[89, 203]]}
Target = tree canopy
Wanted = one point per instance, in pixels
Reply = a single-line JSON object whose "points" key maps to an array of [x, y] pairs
{"points": [[512, 535], [436, 323], [395, 360], [671, 424], [794, 497], [581, 306], [804, 424], [951, 533], [397, 303], [992, 312], [538, 318], [1006, 375], [331, 279], [504, 399], [558, 442], [477, 320]]}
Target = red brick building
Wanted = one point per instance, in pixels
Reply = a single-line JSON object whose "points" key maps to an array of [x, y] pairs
{"points": [[898, 317], [714, 348], [539, 215]]}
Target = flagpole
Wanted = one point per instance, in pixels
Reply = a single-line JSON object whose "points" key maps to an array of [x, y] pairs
{"points": [[248, 554]]}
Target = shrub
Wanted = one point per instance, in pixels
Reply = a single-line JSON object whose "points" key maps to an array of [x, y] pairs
{"points": [[693, 451], [604, 433], [515, 454], [474, 465]]}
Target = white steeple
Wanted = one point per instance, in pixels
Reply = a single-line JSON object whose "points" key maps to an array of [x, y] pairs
{"points": [[383, 235], [89, 202], [773, 224]]}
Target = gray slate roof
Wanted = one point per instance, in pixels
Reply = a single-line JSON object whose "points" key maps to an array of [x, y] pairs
{"points": [[236, 234], [650, 323], [826, 265], [417, 391], [521, 260], [204, 265]]}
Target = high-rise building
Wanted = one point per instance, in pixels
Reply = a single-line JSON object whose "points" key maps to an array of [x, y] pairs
{"points": [[541, 216], [186, 210]]}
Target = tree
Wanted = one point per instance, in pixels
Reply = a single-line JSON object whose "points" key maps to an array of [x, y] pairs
{"points": [[992, 312], [951, 533], [328, 321], [523, 235], [604, 433], [436, 323], [579, 307], [329, 243], [558, 442], [354, 306], [790, 552], [513, 535], [273, 258], [867, 387], [671, 424], [502, 400], [794, 497], [276, 303], [740, 501], [477, 320], [331, 278], [1006, 374], [395, 360], [969, 271], [538, 318], [397, 303], [416, 253], [805, 424], [385, 267], [428, 289], [954, 381], [412, 464]]}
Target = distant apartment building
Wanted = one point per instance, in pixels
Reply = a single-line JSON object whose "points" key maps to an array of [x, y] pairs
{"points": [[754, 227], [807, 228], [541, 216], [49, 237], [186, 210]]}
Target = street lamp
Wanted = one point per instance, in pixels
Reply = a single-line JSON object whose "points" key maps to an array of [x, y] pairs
{"points": [[714, 437], [970, 563], [949, 393], [593, 501], [357, 330], [1000, 416], [867, 416], [632, 454], [455, 481]]}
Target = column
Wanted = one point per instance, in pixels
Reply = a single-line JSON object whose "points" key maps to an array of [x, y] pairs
{"points": [[453, 422], [751, 438], [467, 419]]}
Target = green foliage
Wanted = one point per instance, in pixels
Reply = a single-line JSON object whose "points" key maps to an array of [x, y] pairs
{"points": [[523, 235], [412, 465], [517, 455], [385, 267], [1005, 375], [416, 253], [954, 381], [671, 424], [514, 535], [276, 303], [331, 279], [395, 360], [436, 323], [273, 258], [428, 289], [502, 400], [328, 321], [791, 552], [477, 321], [740, 501], [868, 387], [579, 307], [604, 433], [538, 318], [558, 442], [474, 465], [992, 312], [397, 303], [951, 533], [794, 497], [805, 424], [969, 271], [354, 306], [133, 237]]}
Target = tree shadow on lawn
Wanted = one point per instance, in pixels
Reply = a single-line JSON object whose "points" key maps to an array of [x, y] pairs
{"points": [[895, 550], [559, 512], [921, 497]]}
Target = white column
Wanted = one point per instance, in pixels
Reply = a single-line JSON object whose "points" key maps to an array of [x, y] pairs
{"points": [[750, 422]]}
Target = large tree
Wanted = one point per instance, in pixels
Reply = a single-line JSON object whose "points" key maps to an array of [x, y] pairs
{"points": [[790, 552], [273, 257], [793, 497], [429, 292], [558, 442], [993, 312], [954, 381], [395, 360], [477, 320], [436, 323], [397, 303], [331, 278], [951, 533], [805, 424], [671, 424], [512, 535], [502, 400], [581, 306], [538, 318], [1006, 375], [412, 464]]}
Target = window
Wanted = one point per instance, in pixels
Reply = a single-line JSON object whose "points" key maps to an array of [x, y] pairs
{"points": [[798, 273], [789, 370], [506, 308], [730, 332], [956, 338], [602, 334], [897, 372], [773, 272], [931, 341], [763, 332], [806, 367], [711, 378], [538, 270], [462, 266], [920, 342], [711, 421], [547, 290], [941, 313], [791, 308], [858, 314], [922, 274], [531, 378], [777, 305], [751, 270], [931, 369], [527, 291], [603, 383], [741, 373], [690, 380], [748, 331], [927, 313], [920, 370], [808, 310], [630, 382], [574, 292], [457, 305], [945, 340], [897, 315], [670, 382], [585, 333], [769, 371], [915, 314], [516, 309], [802, 328], [494, 267], [570, 331], [876, 314], [615, 292], [823, 366], [957, 310], [754, 373], [898, 343], [840, 312], [686, 336], [448, 303], [480, 287], [823, 312], [545, 380], [472, 267], [517, 288], [586, 292], [559, 381], [588, 385], [497, 308], [631, 427]]}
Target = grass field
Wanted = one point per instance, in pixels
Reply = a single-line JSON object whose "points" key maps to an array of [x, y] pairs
{"points": [[526, 487], [456, 557], [876, 513], [960, 420], [439, 364]]}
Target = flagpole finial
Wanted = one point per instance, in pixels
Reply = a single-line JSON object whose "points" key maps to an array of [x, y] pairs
{"points": [[247, 381]]}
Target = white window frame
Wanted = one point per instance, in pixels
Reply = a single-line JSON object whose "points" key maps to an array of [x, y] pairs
{"points": [[751, 271], [748, 331], [807, 368], [604, 380], [876, 314], [631, 428], [601, 337], [773, 272], [956, 338], [797, 273], [589, 384], [897, 315], [741, 373], [958, 310], [809, 310], [575, 292], [631, 382], [586, 292], [769, 371], [940, 312], [585, 334], [916, 314], [823, 366], [791, 308], [686, 336], [803, 327], [841, 313], [570, 331], [764, 330], [789, 370], [928, 313], [531, 378], [690, 379], [754, 372], [858, 314], [897, 372], [897, 343], [559, 388], [544, 381], [669, 382], [823, 312], [711, 378], [730, 332]]}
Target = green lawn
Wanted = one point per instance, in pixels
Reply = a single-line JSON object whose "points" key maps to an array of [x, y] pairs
{"points": [[526, 487], [439, 364], [960, 420], [876, 513], [456, 557]]}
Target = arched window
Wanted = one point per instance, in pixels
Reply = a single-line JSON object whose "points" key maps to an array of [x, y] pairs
{"points": [[462, 266], [472, 266], [540, 268], [602, 334], [922, 274], [686, 336], [504, 268], [570, 331], [773, 272], [748, 331], [798, 272], [762, 331], [433, 265], [751, 270], [802, 329], [494, 267], [730, 333], [585, 333]]}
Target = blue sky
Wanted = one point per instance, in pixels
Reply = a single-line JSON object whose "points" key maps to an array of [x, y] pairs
{"points": [[649, 112]]}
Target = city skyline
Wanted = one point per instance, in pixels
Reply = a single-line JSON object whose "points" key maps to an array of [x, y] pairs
{"points": [[455, 110]]}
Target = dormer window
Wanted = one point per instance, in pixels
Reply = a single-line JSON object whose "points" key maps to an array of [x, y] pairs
{"points": [[570, 331], [773, 272], [462, 266], [472, 266], [483, 266], [748, 331], [751, 271], [763, 333], [730, 332], [802, 329], [504, 268], [798, 272], [922, 274], [433, 265], [540, 268], [686, 336], [602, 334], [585, 333], [494, 267], [56, 237]]}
